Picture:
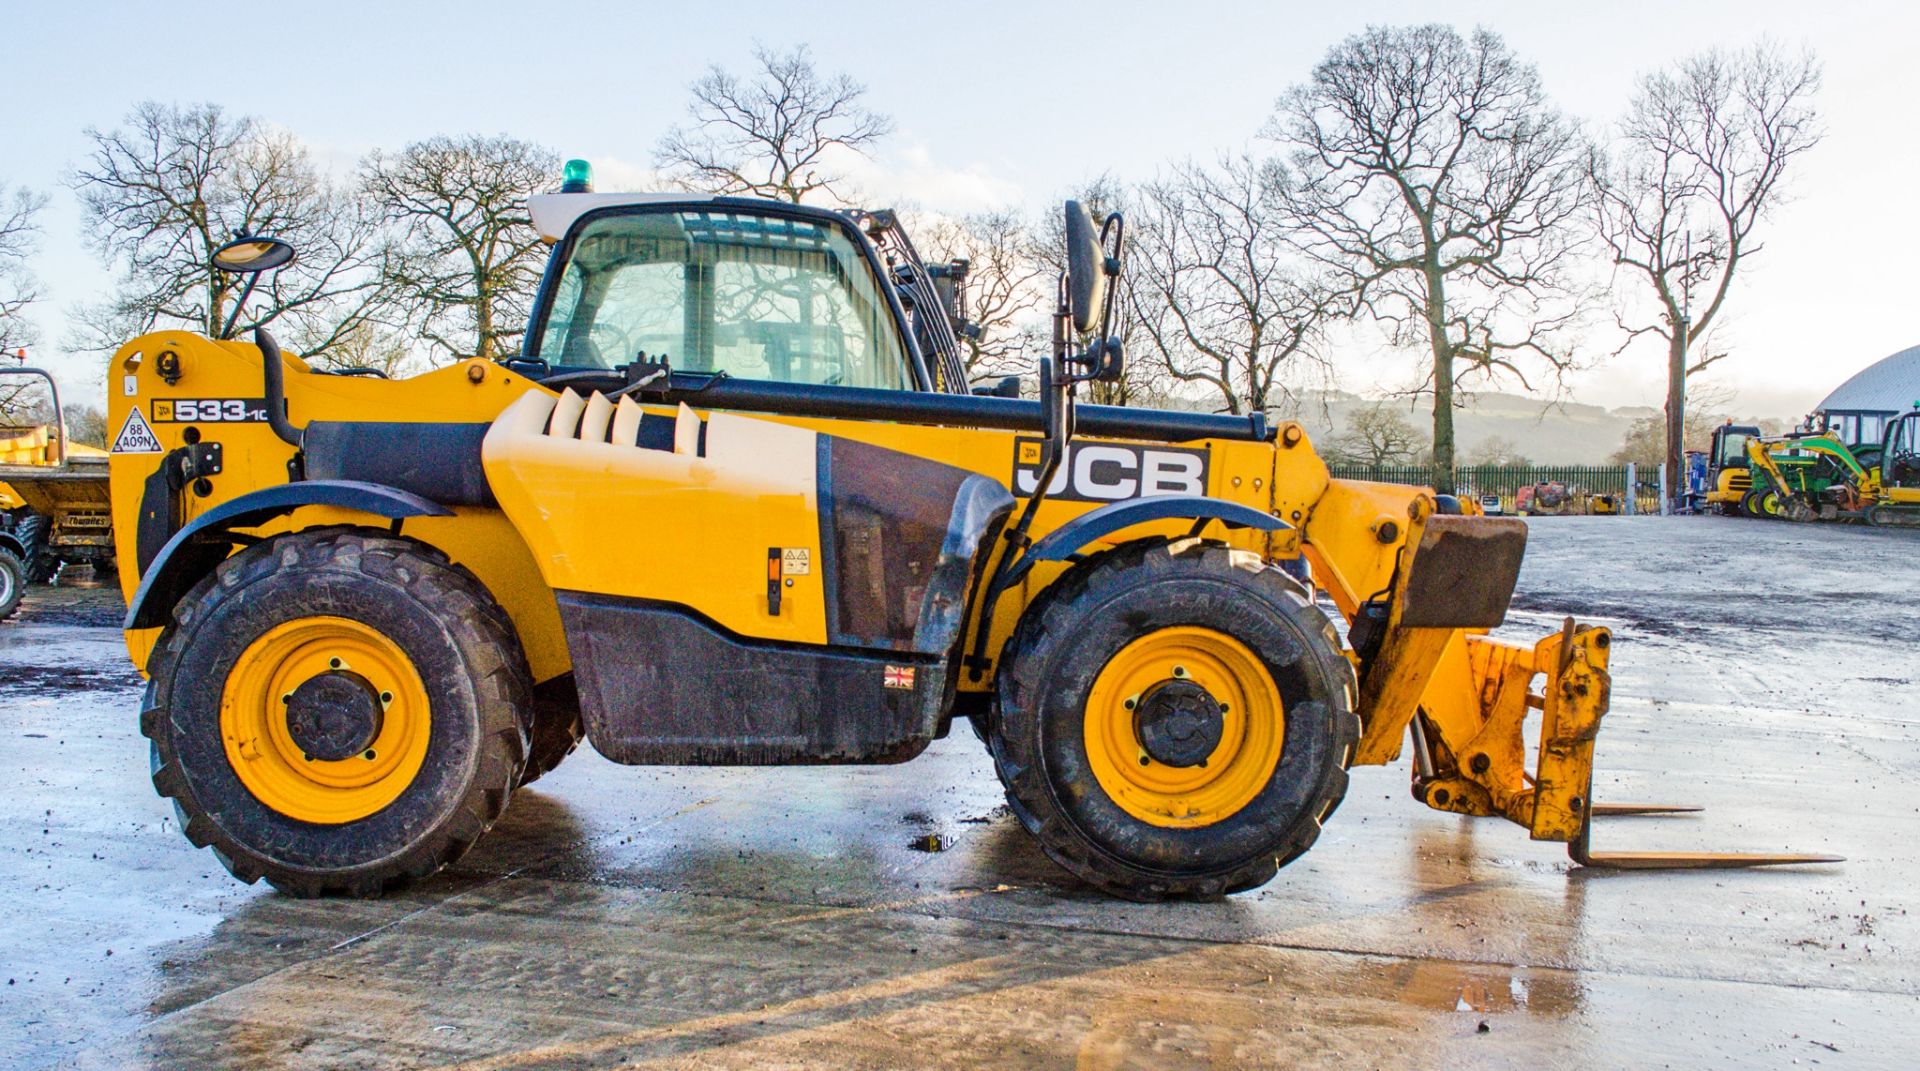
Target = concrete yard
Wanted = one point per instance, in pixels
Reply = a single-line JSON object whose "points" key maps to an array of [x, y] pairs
{"points": [[783, 918]]}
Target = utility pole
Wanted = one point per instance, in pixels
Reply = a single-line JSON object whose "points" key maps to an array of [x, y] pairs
{"points": [[1672, 474]]}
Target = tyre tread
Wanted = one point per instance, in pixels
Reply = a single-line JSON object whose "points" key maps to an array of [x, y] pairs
{"points": [[1044, 626], [478, 625]]}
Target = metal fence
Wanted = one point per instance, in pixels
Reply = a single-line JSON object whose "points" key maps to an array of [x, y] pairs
{"points": [[1507, 480]]}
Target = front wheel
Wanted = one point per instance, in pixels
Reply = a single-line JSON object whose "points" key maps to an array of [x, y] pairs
{"points": [[13, 583], [1174, 720], [337, 710]]}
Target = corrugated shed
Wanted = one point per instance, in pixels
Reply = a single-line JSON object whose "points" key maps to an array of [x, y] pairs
{"points": [[1891, 385]]}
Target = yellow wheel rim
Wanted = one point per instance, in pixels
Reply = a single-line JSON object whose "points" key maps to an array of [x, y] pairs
{"points": [[1233, 773], [261, 745]]}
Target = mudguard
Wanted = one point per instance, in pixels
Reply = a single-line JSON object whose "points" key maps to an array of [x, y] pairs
{"points": [[1065, 541], [205, 542]]}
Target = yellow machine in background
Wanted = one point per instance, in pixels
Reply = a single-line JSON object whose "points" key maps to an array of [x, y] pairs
{"points": [[1878, 483], [54, 500], [734, 504]]}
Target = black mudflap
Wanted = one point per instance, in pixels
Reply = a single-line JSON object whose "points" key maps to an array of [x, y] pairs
{"points": [[659, 685]]}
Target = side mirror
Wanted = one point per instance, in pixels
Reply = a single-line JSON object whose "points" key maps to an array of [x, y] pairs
{"points": [[1086, 269], [1007, 387], [251, 255]]}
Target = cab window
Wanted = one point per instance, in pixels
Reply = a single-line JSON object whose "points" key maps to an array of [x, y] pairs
{"points": [[757, 297], [1733, 448]]}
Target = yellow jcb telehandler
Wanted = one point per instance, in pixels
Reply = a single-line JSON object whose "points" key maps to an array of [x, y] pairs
{"points": [[735, 503]]}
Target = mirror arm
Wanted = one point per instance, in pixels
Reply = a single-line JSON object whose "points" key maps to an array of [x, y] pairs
{"points": [[1056, 421], [245, 293]]}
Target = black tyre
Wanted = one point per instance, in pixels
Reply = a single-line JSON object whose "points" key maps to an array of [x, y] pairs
{"points": [[33, 531], [557, 728], [13, 583], [1174, 720], [337, 711]]}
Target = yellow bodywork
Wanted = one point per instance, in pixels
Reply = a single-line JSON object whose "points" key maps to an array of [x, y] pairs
{"points": [[696, 530]]}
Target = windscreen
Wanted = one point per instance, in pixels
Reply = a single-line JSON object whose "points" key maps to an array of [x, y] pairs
{"points": [[1733, 448], [757, 297]]}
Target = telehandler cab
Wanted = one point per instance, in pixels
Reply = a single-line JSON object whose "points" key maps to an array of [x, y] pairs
{"points": [[735, 504]]}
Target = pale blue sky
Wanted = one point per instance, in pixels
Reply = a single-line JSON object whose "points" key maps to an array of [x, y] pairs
{"points": [[994, 103]]}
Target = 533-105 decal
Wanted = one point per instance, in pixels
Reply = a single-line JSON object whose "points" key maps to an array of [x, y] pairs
{"points": [[210, 411]]}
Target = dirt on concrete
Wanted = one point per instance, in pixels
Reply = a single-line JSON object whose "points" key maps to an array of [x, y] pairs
{"points": [[654, 917]]}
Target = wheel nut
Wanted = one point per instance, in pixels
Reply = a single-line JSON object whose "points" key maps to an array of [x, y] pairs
{"points": [[1180, 672], [335, 663], [1144, 761], [1131, 702]]}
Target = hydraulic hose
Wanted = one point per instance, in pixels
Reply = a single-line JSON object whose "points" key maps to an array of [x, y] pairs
{"points": [[276, 381]]}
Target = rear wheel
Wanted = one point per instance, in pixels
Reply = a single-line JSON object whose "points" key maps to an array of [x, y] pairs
{"points": [[1174, 720], [13, 583], [33, 531], [557, 730], [337, 710]]}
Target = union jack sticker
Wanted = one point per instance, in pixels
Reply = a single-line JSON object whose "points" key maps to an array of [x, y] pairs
{"points": [[898, 677]]}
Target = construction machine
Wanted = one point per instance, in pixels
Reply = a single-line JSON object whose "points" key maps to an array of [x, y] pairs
{"points": [[1877, 483], [1729, 478], [735, 503], [1554, 498], [1895, 488], [54, 499]]}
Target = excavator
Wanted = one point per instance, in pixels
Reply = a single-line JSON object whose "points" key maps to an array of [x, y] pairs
{"points": [[1877, 483]]}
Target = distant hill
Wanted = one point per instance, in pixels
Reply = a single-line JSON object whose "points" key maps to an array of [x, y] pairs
{"points": [[1562, 433]]}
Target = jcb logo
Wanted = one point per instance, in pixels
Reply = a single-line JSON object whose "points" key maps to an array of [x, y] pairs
{"points": [[1109, 472]]}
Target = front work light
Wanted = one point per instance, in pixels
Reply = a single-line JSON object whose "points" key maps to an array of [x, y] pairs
{"points": [[577, 178]]}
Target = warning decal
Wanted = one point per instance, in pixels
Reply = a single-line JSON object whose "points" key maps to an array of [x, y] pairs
{"points": [[136, 435]]}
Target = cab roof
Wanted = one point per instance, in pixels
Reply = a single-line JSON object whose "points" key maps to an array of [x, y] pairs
{"points": [[555, 213]]}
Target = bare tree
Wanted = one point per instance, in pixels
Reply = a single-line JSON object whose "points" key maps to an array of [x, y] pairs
{"points": [[1219, 296], [784, 133], [86, 424], [376, 346], [465, 260], [1378, 435], [162, 193], [1497, 450], [1432, 175], [19, 240], [1697, 165], [1009, 287]]}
